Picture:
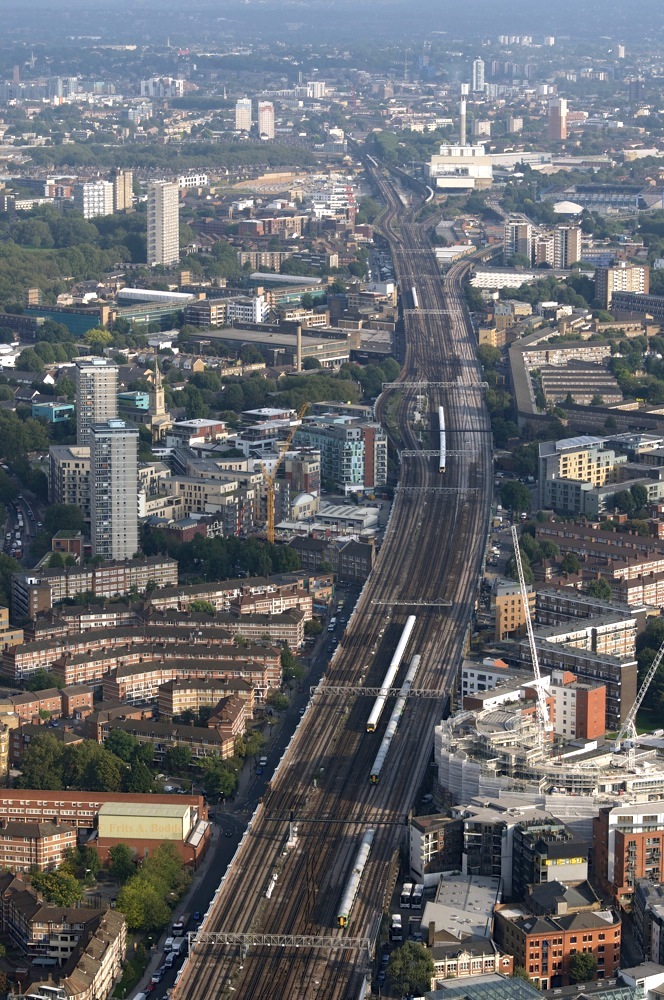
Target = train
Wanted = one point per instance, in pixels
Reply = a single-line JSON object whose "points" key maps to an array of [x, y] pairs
{"points": [[392, 671], [393, 724], [353, 884], [443, 447], [415, 298]]}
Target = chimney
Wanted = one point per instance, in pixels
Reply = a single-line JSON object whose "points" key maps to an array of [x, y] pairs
{"points": [[298, 364], [462, 122]]}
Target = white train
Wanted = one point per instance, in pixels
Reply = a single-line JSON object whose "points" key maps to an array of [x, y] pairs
{"points": [[395, 718], [416, 301], [392, 670], [353, 884], [443, 448]]}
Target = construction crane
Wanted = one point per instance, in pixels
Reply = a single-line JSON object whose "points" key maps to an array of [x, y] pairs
{"points": [[270, 477], [628, 728], [544, 724]]}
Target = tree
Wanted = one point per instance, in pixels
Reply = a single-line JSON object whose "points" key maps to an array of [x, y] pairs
{"points": [[203, 607], [624, 502], [601, 589], [583, 967], [520, 973], [277, 700], [178, 758], [639, 495], [43, 679], [220, 779], [121, 864], [137, 778], [313, 627], [411, 969], [61, 887], [515, 496], [63, 516], [291, 669], [41, 764], [308, 364], [143, 905], [122, 744], [570, 564]]}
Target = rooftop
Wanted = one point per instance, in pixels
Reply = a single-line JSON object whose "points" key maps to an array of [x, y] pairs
{"points": [[174, 810]]}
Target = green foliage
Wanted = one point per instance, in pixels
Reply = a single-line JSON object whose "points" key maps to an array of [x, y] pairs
{"points": [[137, 778], [203, 607], [583, 967], [48, 763], [121, 865], [600, 589], [276, 700], [570, 564], [178, 759], [145, 898], [410, 969], [520, 973], [515, 496], [63, 517], [250, 744], [122, 744], [313, 627], [83, 862], [221, 558], [43, 679], [290, 667], [59, 887], [219, 776]]}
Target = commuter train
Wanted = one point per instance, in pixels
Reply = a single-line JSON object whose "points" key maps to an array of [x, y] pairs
{"points": [[393, 724], [353, 884], [392, 671], [415, 297], [443, 448]]}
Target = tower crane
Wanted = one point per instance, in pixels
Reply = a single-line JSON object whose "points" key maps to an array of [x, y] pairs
{"points": [[270, 477], [628, 728], [544, 724]]}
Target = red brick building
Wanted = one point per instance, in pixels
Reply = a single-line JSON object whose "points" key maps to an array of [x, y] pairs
{"points": [[26, 846]]}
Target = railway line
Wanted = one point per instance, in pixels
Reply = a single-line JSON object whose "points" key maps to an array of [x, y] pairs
{"points": [[431, 556]]}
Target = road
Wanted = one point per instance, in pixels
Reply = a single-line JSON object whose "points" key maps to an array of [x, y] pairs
{"points": [[432, 553]]}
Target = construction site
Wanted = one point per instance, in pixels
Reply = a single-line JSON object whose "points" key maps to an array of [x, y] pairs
{"points": [[508, 742]]}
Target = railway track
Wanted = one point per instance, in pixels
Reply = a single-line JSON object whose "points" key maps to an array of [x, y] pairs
{"points": [[432, 552]]}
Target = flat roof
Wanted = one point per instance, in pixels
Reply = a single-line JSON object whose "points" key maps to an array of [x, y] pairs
{"points": [[161, 810]]}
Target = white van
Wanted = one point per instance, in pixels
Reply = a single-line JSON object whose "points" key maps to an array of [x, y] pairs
{"points": [[333, 624], [262, 761], [141, 996]]}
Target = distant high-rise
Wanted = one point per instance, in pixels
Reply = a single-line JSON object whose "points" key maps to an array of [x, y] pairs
{"points": [[558, 119], [478, 75], [621, 51], [163, 223], [266, 119], [518, 239], [635, 87], [462, 122], [94, 198], [622, 277], [114, 490], [243, 115], [567, 246], [96, 395], [123, 190]]}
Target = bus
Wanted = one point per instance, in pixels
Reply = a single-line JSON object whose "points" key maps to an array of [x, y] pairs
{"points": [[396, 930], [406, 893], [416, 898]]}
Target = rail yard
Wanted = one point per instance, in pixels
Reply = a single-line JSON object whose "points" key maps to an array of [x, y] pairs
{"points": [[273, 930]]}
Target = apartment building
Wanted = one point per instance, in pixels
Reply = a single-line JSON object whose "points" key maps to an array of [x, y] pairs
{"points": [[163, 223], [114, 490], [627, 845], [545, 851], [96, 395], [163, 736], [26, 847], [621, 277], [584, 459], [558, 119], [140, 683], [579, 708], [69, 476], [435, 846], [243, 115], [178, 696], [508, 607], [266, 119], [93, 198]]}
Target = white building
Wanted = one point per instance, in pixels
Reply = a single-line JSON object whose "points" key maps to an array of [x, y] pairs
{"points": [[186, 181], [478, 75], [247, 309], [316, 89], [243, 118], [94, 198], [163, 223], [266, 119], [114, 490], [461, 168]]}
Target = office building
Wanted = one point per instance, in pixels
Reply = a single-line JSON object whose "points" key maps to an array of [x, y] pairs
{"points": [[558, 120], [518, 239], [114, 490], [96, 395], [163, 223], [266, 119], [94, 198], [123, 190], [243, 115], [582, 459], [621, 277], [478, 75]]}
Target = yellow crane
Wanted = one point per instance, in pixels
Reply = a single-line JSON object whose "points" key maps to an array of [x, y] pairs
{"points": [[270, 477]]}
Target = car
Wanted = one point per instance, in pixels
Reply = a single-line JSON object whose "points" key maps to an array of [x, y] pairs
{"points": [[157, 977], [228, 833], [302, 711], [149, 988], [259, 770], [197, 915]]}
